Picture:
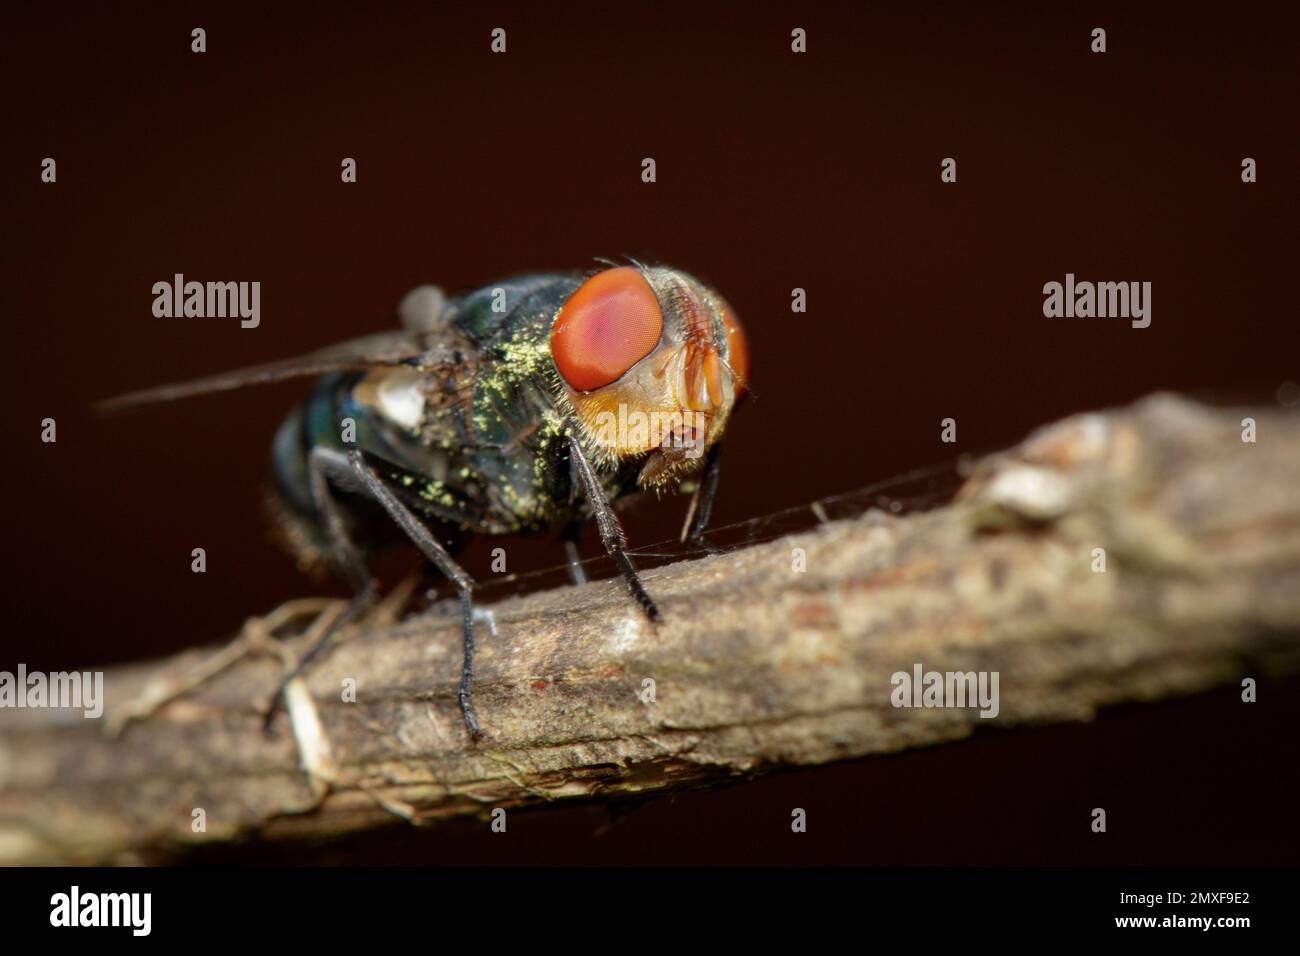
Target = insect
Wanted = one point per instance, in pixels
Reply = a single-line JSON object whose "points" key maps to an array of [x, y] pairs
{"points": [[530, 405]]}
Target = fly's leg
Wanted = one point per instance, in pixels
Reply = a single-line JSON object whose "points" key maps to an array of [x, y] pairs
{"points": [[557, 478], [437, 554], [701, 507], [324, 464], [611, 532]]}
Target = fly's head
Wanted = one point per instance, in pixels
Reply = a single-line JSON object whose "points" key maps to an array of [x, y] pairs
{"points": [[652, 362]]}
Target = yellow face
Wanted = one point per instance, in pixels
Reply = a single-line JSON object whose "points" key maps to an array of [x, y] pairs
{"points": [[652, 363]]}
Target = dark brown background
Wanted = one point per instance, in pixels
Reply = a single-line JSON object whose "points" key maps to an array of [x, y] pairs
{"points": [[775, 171]]}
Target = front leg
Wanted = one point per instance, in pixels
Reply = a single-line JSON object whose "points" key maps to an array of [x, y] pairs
{"points": [[611, 532], [701, 507]]}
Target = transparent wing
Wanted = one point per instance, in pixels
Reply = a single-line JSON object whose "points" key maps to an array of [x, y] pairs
{"points": [[384, 348]]}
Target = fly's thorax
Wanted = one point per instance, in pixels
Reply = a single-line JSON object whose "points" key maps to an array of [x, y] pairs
{"points": [[651, 362], [469, 424]]}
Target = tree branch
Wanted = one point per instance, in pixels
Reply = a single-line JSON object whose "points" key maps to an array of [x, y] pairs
{"points": [[755, 665]]}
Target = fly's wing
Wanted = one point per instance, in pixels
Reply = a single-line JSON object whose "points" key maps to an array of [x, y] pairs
{"points": [[384, 348]]}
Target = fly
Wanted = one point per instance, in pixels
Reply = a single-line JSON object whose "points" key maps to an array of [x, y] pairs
{"points": [[531, 405]]}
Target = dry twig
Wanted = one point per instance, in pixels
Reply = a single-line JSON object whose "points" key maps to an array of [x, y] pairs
{"points": [[754, 666]]}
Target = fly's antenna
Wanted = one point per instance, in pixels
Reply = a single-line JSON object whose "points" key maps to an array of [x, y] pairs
{"points": [[749, 392]]}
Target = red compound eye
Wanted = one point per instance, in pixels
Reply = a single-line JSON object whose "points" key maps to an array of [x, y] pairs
{"points": [[608, 325], [737, 348]]}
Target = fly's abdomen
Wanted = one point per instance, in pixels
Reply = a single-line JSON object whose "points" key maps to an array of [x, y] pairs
{"points": [[289, 462], [332, 417], [314, 422]]}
